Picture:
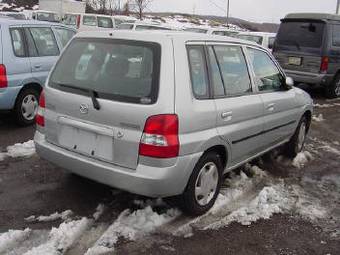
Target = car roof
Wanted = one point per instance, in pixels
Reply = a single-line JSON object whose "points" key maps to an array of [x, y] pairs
{"points": [[313, 16], [159, 35], [257, 33], [9, 22]]}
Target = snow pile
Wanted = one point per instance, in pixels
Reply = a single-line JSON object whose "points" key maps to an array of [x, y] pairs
{"points": [[25, 149], [61, 238], [330, 149], [318, 118], [12, 238], [302, 159], [323, 105], [53, 217], [131, 225]]}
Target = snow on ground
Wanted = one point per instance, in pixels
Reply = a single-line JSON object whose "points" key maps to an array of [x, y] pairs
{"points": [[12, 238], [99, 211], [324, 105], [131, 225], [55, 216], [26, 149], [60, 239], [318, 118], [302, 159]]}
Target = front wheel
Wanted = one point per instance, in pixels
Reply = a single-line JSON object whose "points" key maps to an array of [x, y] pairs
{"points": [[297, 142], [204, 185]]}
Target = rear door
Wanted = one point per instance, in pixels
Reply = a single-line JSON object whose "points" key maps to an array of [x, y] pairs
{"points": [[280, 106], [299, 45], [43, 51], [239, 110], [123, 78]]}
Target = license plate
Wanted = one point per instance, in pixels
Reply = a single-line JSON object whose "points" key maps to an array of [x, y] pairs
{"points": [[86, 142], [294, 61]]}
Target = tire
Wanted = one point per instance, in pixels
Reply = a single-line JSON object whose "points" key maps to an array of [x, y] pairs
{"points": [[297, 142], [333, 89], [190, 202], [25, 115]]}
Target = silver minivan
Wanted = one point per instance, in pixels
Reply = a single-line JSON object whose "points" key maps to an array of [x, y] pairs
{"points": [[166, 114]]}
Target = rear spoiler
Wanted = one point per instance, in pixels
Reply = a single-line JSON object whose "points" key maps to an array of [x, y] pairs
{"points": [[304, 20]]}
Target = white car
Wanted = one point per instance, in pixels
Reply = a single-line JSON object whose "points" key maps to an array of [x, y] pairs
{"points": [[212, 31], [89, 22], [264, 39], [143, 26]]}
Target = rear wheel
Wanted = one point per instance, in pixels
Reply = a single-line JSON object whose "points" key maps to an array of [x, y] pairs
{"points": [[297, 142], [333, 89], [203, 186], [26, 106]]}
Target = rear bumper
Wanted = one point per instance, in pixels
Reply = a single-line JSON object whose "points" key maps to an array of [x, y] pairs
{"points": [[8, 97], [310, 78], [145, 180]]}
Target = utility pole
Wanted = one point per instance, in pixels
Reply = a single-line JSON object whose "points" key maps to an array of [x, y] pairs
{"points": [[337, 6], [228, 8]]}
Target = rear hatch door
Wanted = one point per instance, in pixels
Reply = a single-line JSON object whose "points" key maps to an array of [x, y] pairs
{"points": [[99, 96], [299, 44]]}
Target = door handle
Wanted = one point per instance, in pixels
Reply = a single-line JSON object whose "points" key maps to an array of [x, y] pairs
{"points": [[37, 66], [227, 116], [271, 107]]}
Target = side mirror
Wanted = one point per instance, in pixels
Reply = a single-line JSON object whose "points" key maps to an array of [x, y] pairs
{"points": [[289, 82]]}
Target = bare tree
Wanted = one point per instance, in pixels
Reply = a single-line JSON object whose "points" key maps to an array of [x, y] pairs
{"points": [[141, 5]]}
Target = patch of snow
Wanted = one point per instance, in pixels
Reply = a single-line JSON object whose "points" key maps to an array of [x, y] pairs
{"points": [[55, 216], [302, 159], [61, 238], [336, 143], [25, 149], [99, 211], [318, 118], [12, 238], [330, 149], [323, 105], [131, 225]]}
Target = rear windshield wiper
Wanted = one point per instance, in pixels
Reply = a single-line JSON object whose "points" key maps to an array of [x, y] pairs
{"points": [[92, 93]]}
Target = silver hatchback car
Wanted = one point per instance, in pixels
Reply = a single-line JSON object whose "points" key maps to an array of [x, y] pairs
{"points": [[166, 114]]}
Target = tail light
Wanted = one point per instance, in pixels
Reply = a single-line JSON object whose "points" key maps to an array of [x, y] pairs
{"points": [[160, 137], [324, 64], [40, 118], [3, 77], [78, 21]]}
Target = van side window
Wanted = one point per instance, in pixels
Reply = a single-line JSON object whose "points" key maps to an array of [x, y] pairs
{"points": [[105, 22], [45, 41], [198, 71], [64, 35], [32, 49], [216, 78], [267, 75], [89, 20], [234, 70], [18, 42], [336, 35]]}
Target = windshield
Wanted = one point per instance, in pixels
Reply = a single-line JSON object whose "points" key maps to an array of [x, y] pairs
{"points": [[252, 38], [300, 34], [115, 69]]}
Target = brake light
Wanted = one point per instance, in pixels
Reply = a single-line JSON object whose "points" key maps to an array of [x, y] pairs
{"points": [[40, 118], [160, 137], [78, 21], [324, 64], [3, 77]]}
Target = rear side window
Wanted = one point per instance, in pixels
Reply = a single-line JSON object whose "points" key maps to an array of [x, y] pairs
{"points": [[234, 70], [18, 42], [336, 35], [125, 26], [105, 22], [44, 41], [252, 38], [198, 71], [301, 34], [116, 69], [64, 35], [267, 75], [89, 20]]}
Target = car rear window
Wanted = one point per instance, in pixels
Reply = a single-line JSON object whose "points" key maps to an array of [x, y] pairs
{"points": [[121, 70], [301, 34]]}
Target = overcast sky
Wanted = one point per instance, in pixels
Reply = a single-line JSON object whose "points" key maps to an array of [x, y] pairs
{"points": [[253, 10]]}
